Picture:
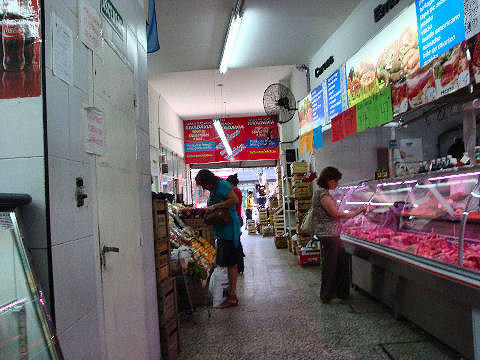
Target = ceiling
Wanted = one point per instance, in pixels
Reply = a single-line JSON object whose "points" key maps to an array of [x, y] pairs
{"points": [[274, 33]]}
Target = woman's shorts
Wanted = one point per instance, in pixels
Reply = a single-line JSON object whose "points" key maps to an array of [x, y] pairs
{"points": [[227, 254]]}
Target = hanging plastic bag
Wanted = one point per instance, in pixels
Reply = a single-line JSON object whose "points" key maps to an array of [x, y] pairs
{"points": [[307, 223], [219, 285]]}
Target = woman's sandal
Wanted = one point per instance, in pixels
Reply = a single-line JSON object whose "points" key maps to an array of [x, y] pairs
{"points": [[231, 301]]}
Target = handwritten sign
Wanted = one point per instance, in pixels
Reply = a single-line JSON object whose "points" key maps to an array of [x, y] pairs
{"points": [[309, 140], [375, 110], [344, 124], [90, 26], [94, 139], [318, 137]]}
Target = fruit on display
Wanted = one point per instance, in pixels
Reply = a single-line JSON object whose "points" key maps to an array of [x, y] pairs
{"points": [[205, 249], [432, 246], [191, 213]]}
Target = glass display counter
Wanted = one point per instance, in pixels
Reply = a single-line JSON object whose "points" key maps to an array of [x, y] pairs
{"points": [[25, 327], [417, 249]]}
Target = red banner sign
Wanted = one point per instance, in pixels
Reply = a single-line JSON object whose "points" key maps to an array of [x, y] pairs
{"points": [[344, 124], [250, 138]]}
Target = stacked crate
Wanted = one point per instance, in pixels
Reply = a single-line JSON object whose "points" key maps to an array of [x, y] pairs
{"points": [[279, 223], [251, 227], [263, 219], [302, 191], [166, 289]]}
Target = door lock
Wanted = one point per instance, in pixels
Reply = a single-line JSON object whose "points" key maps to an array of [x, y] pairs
{"points": [[106, 249]]}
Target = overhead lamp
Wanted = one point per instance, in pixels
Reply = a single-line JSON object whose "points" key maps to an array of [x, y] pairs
{"points": [[219, 129], [231, 39]]}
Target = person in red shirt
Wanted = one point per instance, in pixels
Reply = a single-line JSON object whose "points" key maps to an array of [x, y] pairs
{"points": [[233, 180]]}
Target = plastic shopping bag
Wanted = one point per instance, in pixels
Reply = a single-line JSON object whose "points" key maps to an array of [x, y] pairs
{"points": [[307, 223], [219, 285]]}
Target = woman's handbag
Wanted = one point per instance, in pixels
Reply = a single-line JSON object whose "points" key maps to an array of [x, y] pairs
{"points": [[219, 216], [307, 223]]}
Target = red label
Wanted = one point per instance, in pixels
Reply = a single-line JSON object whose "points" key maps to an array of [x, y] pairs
{"points": [[12, 29]]}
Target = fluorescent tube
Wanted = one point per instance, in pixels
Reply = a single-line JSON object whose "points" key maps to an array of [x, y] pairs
{"points": [[219, 129], [232, 35]]}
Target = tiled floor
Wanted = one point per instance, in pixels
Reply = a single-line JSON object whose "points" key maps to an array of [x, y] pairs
{"points": [[280, 317]]}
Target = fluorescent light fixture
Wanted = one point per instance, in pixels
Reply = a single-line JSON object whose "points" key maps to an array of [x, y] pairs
{"points": [[219, 129], [232, 34]]}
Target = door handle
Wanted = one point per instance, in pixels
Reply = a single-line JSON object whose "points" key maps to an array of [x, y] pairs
{"points": [[110, 249], [105, 249]]}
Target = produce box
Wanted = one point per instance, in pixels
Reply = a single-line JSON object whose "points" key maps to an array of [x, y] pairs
{"points": [[281, 242], [169, 338], [167, 301], [308, 256], [299, 167]]}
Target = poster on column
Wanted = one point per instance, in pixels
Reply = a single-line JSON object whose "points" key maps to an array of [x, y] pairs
{"points": [[305, 114], [250, 138], [20, 53]]}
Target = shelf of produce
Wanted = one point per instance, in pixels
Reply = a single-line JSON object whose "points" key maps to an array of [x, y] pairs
{"points": [[436, 296]]}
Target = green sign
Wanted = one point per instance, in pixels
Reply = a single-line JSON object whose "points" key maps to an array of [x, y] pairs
{"points": [[375, 110], [112, 15]]}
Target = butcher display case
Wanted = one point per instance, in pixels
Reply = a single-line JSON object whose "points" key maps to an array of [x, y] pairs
{"points": [[417, 249], [26, 330]]}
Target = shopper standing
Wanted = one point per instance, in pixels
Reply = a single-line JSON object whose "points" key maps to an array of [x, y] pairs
{"points": [[249, 205], [227, 236], [233, 180], [326, 216]]}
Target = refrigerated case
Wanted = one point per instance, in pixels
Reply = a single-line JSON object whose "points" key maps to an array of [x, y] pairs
{"points": [[25, 327], [417, 249]]}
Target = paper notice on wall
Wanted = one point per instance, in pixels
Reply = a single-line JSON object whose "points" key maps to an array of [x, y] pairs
{"points": [[411, 150], [94, 139], [90, 26], [62, 49]]}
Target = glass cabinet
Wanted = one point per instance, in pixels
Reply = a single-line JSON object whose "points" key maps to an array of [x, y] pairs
{"points": [[25, 327], [434, 216]]}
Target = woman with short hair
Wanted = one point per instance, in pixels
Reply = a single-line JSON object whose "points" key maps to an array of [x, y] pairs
{"points": [[227, 236], [327, 227]]}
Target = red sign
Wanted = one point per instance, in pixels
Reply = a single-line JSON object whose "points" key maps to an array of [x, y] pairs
{"points": [[250, 138], [344, 124]]}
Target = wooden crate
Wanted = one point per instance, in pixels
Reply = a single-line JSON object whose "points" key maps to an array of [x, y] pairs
{"points": [[160, 219], [281, 242], [163, 272], [169, 339], [167, 301]]}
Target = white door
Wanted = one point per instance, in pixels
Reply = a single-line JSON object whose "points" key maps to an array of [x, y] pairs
{"points": [[118, 211]]}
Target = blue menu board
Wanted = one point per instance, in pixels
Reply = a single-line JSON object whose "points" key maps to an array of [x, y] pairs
{"points": [[334, 95], [440, 26], [318, 107]]}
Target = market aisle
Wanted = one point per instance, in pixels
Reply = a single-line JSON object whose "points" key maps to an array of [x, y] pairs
{"points": [[280, 317]]}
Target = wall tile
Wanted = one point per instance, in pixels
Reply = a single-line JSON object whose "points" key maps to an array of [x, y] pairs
{"points": [[74, 279], [132, 48], [82, 65], [141, 76], [83, 215], [142, 108], [143, 149], [82, 340], [77, 99], [62, 199], [145, 197], [57, 116], [24, 136]]}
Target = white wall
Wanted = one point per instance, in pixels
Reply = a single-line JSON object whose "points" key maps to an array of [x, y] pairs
{"points": [[74, 230], [356, 155], [166, 127]]}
